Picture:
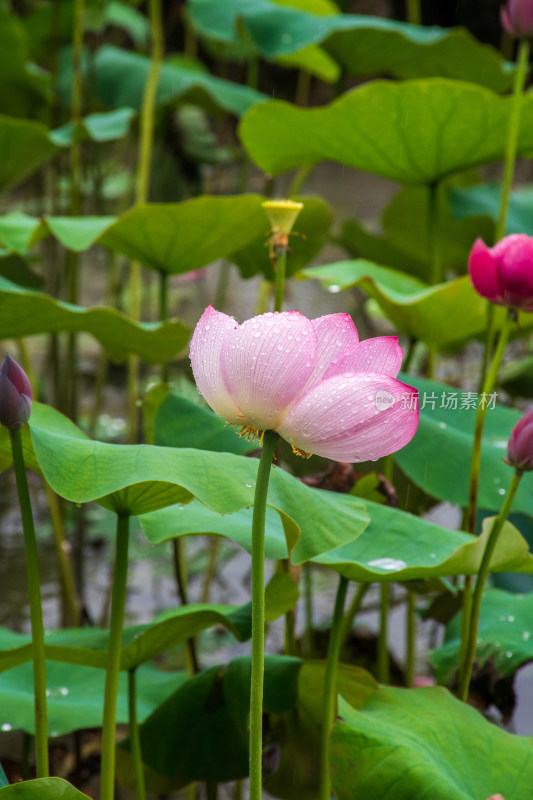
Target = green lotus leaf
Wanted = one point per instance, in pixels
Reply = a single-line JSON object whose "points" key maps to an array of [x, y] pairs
{"points": [[26, 312], [407, 743], [428, 129], [395, 545], [136, 479]]}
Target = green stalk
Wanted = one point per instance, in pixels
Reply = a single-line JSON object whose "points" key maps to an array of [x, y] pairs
{"points": [[262, 297], [36, 612], [76, 100], [410, 659], [471, 511], [270, 439], [281, 265], [513, 133], [308, 596], [303, 88], [353, 611], [65, 566], [406, 366], [299, 179], [488, 386], [414, 12], [329, 701], [434, 260], [142, 186], [383, 666], [215, 543], [180, 573], [222, 285], [470, 649], [163, 313], [140, 788], [118, 602]]}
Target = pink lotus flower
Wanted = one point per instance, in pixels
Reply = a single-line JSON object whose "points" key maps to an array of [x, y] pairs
{"points": [[310, 380], [15, 395], [517, 17], [520, 445], [504, 273]]}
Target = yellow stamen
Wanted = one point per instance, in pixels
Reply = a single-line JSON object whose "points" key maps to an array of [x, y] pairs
{"points": [[250, 433], [301, 453]]}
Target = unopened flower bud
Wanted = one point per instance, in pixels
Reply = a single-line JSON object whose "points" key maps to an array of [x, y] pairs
{"points": [[520, 445], [282, 214], [504, 273], [517, 17], [15, 395]]}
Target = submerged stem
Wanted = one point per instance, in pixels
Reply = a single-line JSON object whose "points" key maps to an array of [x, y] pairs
{"points": [[270, 440]]}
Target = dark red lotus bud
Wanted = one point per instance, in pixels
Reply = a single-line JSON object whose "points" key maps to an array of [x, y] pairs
{"points": [[15, 395], [520, 445], [517, 17]]}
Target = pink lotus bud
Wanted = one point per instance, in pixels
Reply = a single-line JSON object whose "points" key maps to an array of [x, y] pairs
{"points": [[15, 395], [520, 445], [517, 17], [311, 380], [504, 273]]}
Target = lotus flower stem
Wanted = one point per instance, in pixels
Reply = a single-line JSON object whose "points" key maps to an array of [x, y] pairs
{"points": [[330, 686], [471, 511], [270, 440], [36, 612], [488, 386], [140, 787], [470, 648], [107, 785], [281, 267]]}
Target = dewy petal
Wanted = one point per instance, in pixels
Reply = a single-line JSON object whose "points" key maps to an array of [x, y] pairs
{"points": [[335, 334], [266, 363], [483, 269], [206, 345], [353, 417], [381, 354]]}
